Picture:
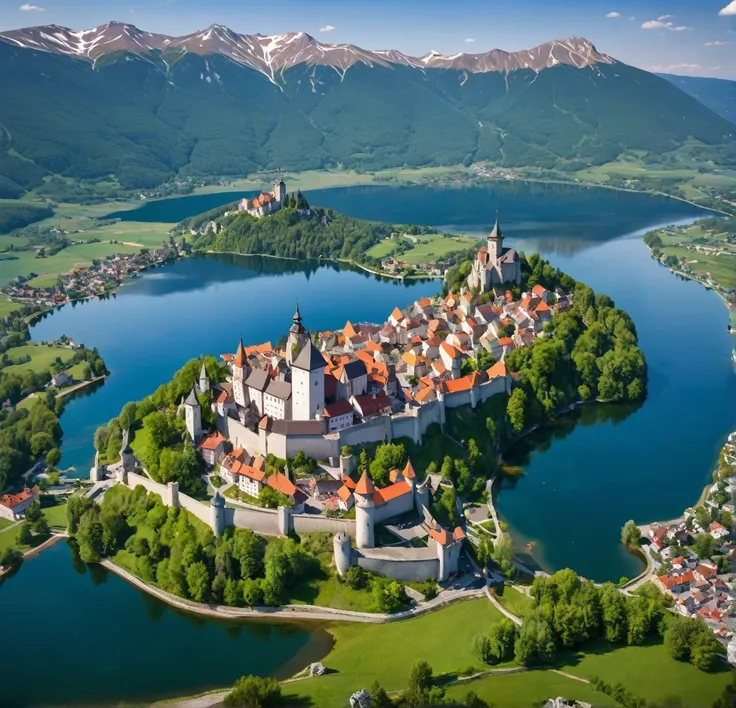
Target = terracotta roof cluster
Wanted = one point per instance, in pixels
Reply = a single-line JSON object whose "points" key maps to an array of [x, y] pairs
{"points": [[212, 442], [12, 500], [444, 537]]}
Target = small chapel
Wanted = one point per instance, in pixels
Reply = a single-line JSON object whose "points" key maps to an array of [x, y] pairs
{"points": [[494, 264]]}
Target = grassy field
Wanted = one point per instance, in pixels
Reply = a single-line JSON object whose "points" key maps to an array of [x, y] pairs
{"points": [[55, 515], [41, 357], [428, 249], [62, 262], [721, 268], [363, 653], [533, 687], [141, 234], [4, 523], [7, 306], [650, 672], [514, 600], [329, 592]]}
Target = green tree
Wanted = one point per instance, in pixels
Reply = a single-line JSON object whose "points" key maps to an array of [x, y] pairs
{"points": [[254, 692], [53, 457], [630, 534], [503, 554], [128, 415], [388, 456], [89, 537], [704, 546], [502, 637], [536, 641], [515, 409], [613, 613], [25, 534], [87, 371], [379, 697], [389, 596], [41, 443], [9, 557], [198, 581]]}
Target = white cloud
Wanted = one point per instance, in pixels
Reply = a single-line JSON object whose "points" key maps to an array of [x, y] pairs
{"points": [[715, 68], [730, 9], [327, 28], [613, 15], [662, 18], [717, 43], [660, 23], [676, 67], [470, 40], [31, 8]]}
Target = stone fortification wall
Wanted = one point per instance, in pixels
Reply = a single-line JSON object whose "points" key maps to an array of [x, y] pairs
{"points": [[375, 430], [238, 434], [394, 507], [314, 523], [320, 447], [201, 510], [264, 521], [455, 400], [405, 426], [164, 491], [398, 563]]}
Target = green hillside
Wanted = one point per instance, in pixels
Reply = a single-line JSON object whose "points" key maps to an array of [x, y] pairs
{"points": [[718, 94], [128, 118]]}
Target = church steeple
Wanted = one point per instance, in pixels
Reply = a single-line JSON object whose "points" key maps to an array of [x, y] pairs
{"points": [[496, 233], [495, 244]]}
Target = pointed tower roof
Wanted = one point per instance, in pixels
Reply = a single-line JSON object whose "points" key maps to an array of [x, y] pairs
{"points": [[408, 472], [365, 485], [496, 233], [310, 358], [192, 399], [241, 359], [297, 315], [203, 371]]}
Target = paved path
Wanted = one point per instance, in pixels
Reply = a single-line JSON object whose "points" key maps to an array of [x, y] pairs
{"points": [[501, 608], [288, 612]]}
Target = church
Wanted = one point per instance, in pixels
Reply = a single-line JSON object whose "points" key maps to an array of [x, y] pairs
{"points": [[494, 264]]}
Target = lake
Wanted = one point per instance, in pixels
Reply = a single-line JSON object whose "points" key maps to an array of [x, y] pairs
{"points": [[581, 482], [101, 640]]}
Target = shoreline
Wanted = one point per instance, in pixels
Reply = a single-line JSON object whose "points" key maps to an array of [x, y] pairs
{"points": [[286, 612]]}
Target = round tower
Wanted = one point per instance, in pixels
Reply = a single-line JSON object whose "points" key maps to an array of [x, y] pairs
{"points": [[127, 459], [365, 510], [217, 512], [343, 552]]}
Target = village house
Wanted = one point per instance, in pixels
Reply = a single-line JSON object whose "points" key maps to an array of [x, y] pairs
{"points": [[14, 506], [212, 448]]}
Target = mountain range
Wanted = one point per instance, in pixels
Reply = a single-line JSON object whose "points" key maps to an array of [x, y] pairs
{"points": [[143, 107]]}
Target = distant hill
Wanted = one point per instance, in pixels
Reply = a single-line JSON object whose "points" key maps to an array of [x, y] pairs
{"points": [[718, 94], [143, 107]]}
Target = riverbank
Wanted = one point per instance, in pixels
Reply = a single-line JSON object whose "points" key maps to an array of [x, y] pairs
{"points": [[289, 612]]}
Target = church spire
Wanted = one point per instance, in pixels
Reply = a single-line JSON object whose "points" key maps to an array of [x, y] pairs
{"points": [[297, 318], [241, 359], [496, 233]]}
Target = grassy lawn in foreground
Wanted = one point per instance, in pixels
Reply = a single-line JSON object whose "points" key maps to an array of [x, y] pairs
{"points": [[649, 672], [363, 653], [431, 248], [41, 357], [514, 600], [4, 523], [8, 306], [523, 690]]}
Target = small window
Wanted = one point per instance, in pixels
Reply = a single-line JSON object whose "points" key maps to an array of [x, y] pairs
{"points": [[316, 382]]}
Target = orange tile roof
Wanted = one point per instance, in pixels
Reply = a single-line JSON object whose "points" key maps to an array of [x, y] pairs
{"points": [[539, 290], [241, 359], [423, 394], [348, 482], [386, 494], [259, 463], [424, 302], [280, 482], [498, 369], [211, 442], [670, 582], [12, 500], [456, 385], [542, 307], [252, 472], [372, 346], [393, 475], [505, 341], [397, 314], [365, 485], [344, 493], [364, 356], [348, 330], [450, 350], [409, 471]]}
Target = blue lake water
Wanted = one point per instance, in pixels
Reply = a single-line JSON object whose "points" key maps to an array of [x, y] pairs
{"points": [[581, 482]]}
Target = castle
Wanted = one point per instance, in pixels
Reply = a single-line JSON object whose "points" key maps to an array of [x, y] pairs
{"points": [[266, 202], [494, 265]]}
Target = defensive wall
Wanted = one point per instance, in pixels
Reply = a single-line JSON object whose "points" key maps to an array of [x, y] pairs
{"points": [[412, 424], [398, 563]]}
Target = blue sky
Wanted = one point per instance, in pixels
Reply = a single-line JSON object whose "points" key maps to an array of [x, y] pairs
{"points": [[696, 37]]}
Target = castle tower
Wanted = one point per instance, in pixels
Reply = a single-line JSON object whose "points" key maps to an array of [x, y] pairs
{"points": [[193, 416], [495, 244], [240, 374], [204, 381], [308, 384], [365, 510], [279, 191], [217, 514], [342, 551], [297, 339]]}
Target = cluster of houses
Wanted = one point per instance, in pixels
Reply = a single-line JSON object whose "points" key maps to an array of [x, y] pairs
{"points": [[89, 281], [698, 587], [348, 376], [392, 264]]}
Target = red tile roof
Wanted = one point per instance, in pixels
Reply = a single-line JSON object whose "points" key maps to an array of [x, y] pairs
{"points": [[450, 350], [13, 500], [281, 483], [365, 485], [386, 494], [241, 358], [211, 442], [498, 369], [344, 493], [339, 408]]}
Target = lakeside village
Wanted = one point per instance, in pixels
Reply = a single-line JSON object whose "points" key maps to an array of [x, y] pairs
{"points": [[691, 558], [365, 384], [100, 278]]}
